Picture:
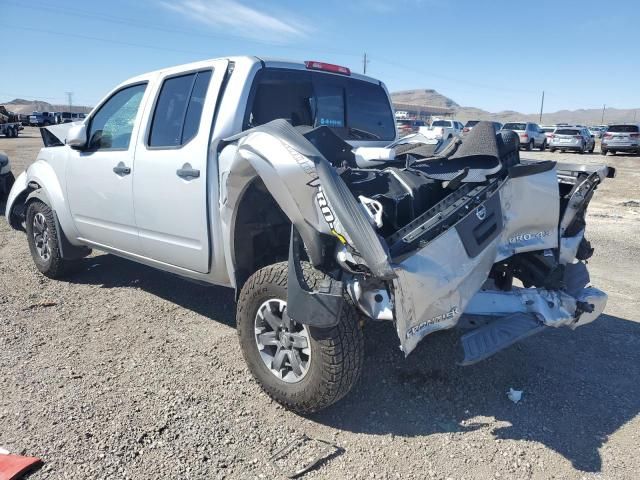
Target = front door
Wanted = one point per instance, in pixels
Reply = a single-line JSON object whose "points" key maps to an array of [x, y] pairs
{"points": [[100, 177], [170, 179]]}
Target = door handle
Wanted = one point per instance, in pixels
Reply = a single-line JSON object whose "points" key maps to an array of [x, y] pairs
{"points": [[121, 169], [188, 172]]}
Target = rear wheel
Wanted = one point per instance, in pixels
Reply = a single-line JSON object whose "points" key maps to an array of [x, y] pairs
{"points": [[543, 147], [582, 149], [42, 236], [593, 147], [530, 146], [304, 368]]}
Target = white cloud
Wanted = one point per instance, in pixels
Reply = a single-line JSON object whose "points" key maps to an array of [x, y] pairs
{"points": [[233, 17]]}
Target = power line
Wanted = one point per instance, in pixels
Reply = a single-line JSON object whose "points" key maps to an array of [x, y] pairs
{"points": [[151, 26]]}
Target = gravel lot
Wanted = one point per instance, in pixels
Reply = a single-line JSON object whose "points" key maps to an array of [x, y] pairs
{"points": [[121, 371]]}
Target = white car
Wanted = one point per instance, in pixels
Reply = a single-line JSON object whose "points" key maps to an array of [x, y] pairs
{"points": [[530, 134], [285, 182], [442, 130]]}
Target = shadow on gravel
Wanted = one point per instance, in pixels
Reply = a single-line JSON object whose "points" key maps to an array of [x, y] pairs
{"points": [[109, 271], [579, 388]]}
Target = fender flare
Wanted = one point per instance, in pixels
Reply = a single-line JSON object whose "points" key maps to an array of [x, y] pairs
{"points": [[68, 251]]}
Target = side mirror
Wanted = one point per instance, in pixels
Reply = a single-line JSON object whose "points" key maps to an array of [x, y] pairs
{"points": [[77, 136]]}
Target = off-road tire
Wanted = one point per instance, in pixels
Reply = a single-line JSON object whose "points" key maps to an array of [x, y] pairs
{"points": [[336, 353], [54, 266]]}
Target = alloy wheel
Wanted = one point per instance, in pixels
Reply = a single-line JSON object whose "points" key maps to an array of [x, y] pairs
{"points": [[284, 344], [41, 236]]}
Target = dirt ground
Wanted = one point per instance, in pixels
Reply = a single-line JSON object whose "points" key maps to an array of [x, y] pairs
{"points": [[121, 371]]}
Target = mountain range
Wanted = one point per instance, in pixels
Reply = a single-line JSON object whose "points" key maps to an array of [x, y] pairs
{"points": [[429, 97], [20, 105]]}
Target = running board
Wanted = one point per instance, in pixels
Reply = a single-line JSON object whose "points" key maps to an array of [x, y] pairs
{"points": [[501, 333]]}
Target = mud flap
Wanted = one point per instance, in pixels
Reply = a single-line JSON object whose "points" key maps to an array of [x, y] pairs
{"points": [[501, 333], [317, 308]]}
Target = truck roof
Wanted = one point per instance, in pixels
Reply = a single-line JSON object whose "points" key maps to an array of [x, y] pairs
{"points": [[248, 60]]}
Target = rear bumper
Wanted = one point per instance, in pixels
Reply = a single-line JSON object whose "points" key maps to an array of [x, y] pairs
{"points": [[621, 148], [564, 146]]}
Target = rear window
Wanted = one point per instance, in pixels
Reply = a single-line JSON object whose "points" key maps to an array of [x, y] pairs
{"points": [[547, 129], [472, 123], [567, 131], [353, 109], [514, 126], [623, 129], [441, 123]]}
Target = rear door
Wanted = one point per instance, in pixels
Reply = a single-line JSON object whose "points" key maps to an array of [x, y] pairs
{"points": [[170, 180]]}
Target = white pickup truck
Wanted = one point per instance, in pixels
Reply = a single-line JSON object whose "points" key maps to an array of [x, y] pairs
{"points": [[442, 130], [284, 181]]}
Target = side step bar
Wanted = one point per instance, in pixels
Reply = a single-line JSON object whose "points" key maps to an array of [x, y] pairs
{"points": [[501, 333]]}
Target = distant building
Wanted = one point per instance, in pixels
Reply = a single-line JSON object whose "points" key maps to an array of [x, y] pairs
{"points": [[422, 112]]}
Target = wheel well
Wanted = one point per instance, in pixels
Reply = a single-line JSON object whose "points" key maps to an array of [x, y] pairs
{"points": [[261, 232]]}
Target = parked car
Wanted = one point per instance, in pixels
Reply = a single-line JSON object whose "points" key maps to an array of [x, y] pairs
{"points": [[472, 123], [408, 126], [595, 131], [578, 139], [548, 130], [281, 180], [6, 177], [529, 134], [68, 117], [442, 130], [623, 137], [42, 119]]}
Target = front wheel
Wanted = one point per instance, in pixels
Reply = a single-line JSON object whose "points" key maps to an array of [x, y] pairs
{"points": [[42, 236], [304, 368]]}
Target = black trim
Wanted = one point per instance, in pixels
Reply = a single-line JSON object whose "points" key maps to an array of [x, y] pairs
{"points": [[320, 308], [526, 169]]}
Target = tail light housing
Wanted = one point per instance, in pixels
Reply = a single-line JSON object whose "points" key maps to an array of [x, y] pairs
{"points": [[326, 67], [525, 135], [608, 135], [577, 136]]}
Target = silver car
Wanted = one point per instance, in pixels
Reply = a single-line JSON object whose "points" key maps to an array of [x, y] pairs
{"points": [[578, 139], [621, 138], [530, 134]]}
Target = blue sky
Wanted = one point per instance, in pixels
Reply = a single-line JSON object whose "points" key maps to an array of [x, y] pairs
{"points": [[494, 55]]}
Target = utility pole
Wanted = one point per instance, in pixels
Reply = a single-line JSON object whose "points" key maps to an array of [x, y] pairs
{"points": [[70, 99], [602, 119], [541, 107], [365, 61]]}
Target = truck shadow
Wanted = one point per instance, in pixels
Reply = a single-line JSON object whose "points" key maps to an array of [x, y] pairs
{"points": [[110, 271], [579, 388]]}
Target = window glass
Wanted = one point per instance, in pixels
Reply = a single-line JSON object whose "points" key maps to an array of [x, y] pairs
{"points": [[441, 123], [112, 125], [623, 128], [369, 114], [168, 116], [177, 114], [514, 126], [196, 104], [567, 131], [353, 109]]}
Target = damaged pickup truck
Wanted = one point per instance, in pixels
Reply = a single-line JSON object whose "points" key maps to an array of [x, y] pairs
{"points": [[285, 181]]}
